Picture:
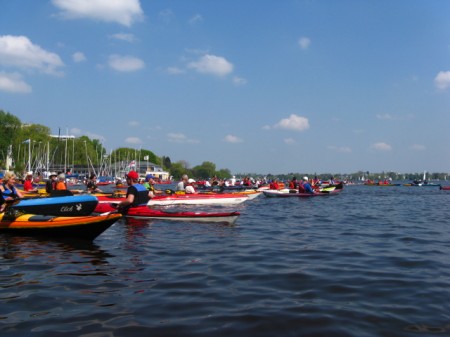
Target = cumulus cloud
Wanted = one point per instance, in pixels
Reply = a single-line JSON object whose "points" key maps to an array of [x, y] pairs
{"points": [[125, 63], [124, 37], [442, 80], [180, 138], [232, 139], [124, 12], [13, 83], [294, 122], [304, 42], [382, 146], [78, 57], [211, 64], [20, 52], [133, 140]]}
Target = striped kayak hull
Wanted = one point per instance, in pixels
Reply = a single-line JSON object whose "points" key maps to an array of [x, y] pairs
{"points": [[76, 227]]}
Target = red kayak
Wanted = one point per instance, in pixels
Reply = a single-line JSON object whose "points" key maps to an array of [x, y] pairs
{"points": [[143, 212], [445, 188]]}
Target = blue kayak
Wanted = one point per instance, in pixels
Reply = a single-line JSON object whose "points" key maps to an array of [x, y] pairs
{"points": [[83, 204]]}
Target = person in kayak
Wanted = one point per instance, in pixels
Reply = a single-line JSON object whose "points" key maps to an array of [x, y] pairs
{"points": [[50, 185], [305, 186], [61, 183], [28, 184], [190, 187], [136, 195], [91, 185], [9, 191], [183, 183], [150, 186], [293, 184]]}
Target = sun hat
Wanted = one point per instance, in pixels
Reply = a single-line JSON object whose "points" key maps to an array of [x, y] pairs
{"points": [[133, 175], [305, 178], [190, 181], [52, 174], [29, 173]]}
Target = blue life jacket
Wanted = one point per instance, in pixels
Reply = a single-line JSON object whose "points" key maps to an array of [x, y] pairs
{"points": [[140, 194]]}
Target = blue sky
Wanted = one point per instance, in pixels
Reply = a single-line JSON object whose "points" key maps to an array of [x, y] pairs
{"points": [[261, 86]]}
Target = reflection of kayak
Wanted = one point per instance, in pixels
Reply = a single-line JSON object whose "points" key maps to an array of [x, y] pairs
{"points": [[62, 206], [143, 212], [285, 193], [81, 227]]}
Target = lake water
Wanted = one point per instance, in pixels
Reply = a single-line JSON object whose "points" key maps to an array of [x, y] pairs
{"points": [[372, 261]]}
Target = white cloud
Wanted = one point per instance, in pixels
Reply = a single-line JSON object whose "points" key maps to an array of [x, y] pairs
{"points": [[133, 140], [13, 83], [124, 12], [20, 52], [211, 64], [340, 149], [125, 63], [195, 19], [124, 37], [180, 138], [294, 122], [304, 42], [442, 80], [78, 57], [382, 146], [239, 81], [232, 139], [418, 147], [289, 141], [91, 135]]}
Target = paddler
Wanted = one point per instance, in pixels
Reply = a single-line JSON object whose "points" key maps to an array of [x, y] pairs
{"points": [[150, 186], [136, 195]]}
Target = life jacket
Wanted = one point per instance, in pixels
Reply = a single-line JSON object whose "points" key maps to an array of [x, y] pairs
{"points": [[9, 192], [140, 195]]}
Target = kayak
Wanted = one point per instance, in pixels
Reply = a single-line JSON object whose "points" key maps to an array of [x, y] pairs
{"points": [[445, 188], [144, 212], [72, 205], [80, 227], [286, 193], [198, 199]]}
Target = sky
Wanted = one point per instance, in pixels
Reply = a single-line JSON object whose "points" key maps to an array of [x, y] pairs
{"points": [[263, 86]]}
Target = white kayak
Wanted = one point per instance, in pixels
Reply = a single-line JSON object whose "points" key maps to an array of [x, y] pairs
{"points": [[198, 199]]}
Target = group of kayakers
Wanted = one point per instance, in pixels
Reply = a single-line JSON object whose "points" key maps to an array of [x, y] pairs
{"points": [[302, 186]]}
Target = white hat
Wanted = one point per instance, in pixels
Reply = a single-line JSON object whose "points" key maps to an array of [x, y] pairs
{"points": [[305, 178], [29, 173], [191, 181]]}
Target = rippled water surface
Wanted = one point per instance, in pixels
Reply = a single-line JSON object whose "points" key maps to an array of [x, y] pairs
{"points": [[372, 261]]}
